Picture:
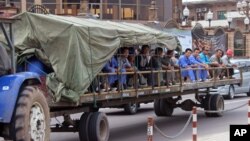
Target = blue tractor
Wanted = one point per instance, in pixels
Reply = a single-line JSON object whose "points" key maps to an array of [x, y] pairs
{"points": [[24, 112]]}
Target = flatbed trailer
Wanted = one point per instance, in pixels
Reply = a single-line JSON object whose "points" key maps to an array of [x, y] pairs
{"points": [[165, 99], [26, 105]]}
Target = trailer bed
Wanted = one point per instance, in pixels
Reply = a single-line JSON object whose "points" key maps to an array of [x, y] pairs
{"points": [[112, 98]]}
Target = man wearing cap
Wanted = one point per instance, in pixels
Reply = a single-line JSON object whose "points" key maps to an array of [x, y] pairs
{"points": [[226, 61]]}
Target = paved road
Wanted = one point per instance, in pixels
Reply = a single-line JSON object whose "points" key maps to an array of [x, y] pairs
{"points": [[133, 127]]}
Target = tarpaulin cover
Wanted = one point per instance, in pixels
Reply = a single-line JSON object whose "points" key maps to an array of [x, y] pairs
{"points": [[77, 49]]}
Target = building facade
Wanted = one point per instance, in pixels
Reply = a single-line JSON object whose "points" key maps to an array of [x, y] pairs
{"points": [[238, 38], [110, 9], [199, 9]]}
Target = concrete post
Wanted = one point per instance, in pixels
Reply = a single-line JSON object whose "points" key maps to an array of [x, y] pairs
{"points": [[153, 12], [58, 6], [248, 112], [230, 41], [247, 45], [84, 6], [23, 5], [194, 123], [150, 129], [38, 2]]}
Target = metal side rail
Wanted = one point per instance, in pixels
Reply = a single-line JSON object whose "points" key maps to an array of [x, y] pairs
{"points": [[162, 90]]}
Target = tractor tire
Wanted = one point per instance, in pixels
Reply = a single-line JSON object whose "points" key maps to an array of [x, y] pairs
{"points": [[31, 119], [131, 108], [98, 127], [166, 108], [157, 107], [83, 126]]}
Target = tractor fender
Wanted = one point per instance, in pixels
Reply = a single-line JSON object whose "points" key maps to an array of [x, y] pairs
{"points": [[10, 86]]}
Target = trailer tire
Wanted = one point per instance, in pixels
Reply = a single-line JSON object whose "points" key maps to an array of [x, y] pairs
{"points": [[166, 108], [157, 107], [98, 127], [31, 107], [206, 104], [83, 126], [217, 103], [131, 108]]}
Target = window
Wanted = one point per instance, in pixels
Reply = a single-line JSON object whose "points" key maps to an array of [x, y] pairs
{"points": [[221, 15], [239, 46]]}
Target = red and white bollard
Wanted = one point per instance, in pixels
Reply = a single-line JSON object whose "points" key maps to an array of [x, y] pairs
{"points": [[150, 128], [249, 112], [194, 111]]}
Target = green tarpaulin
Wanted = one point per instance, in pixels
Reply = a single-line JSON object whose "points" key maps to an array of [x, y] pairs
{"points": [[77, 49]]}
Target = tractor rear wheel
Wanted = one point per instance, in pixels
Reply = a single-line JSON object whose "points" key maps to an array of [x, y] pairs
{"points": [[31, 120]]}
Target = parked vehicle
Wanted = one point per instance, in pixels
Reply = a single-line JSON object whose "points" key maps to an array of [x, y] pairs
{"points": [[229, 91]]}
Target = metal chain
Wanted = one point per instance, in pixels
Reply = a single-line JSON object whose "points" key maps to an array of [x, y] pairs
{"points": [[219, 111], [178, 134], [189, 120]]}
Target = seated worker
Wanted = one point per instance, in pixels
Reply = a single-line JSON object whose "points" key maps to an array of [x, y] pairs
{"points": [[142, 63], [201, 75], [204, 55], [226, 61], [185, 63], [110, 67], [5, 62], [156, 64], [217, 62], [169, 64], [130, 78], [142, 60], [124, 65]]}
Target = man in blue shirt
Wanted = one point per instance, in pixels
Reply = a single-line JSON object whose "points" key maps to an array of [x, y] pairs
{"points": [[111, 67], [195, 60], [204, 56], [185, 63]]}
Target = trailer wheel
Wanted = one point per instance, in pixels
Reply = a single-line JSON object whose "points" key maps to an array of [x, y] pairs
{"points": [[217, 104], [157, 107], [83, 126], [166, 108], [98, 127], [131, 108], [206, 104], [31, 120]]}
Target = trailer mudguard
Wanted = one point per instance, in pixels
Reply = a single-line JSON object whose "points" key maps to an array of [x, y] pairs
{"points": [[9, 89]]}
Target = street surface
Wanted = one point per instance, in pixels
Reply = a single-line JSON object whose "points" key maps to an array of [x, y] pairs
{"points": [[133, 127]]}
